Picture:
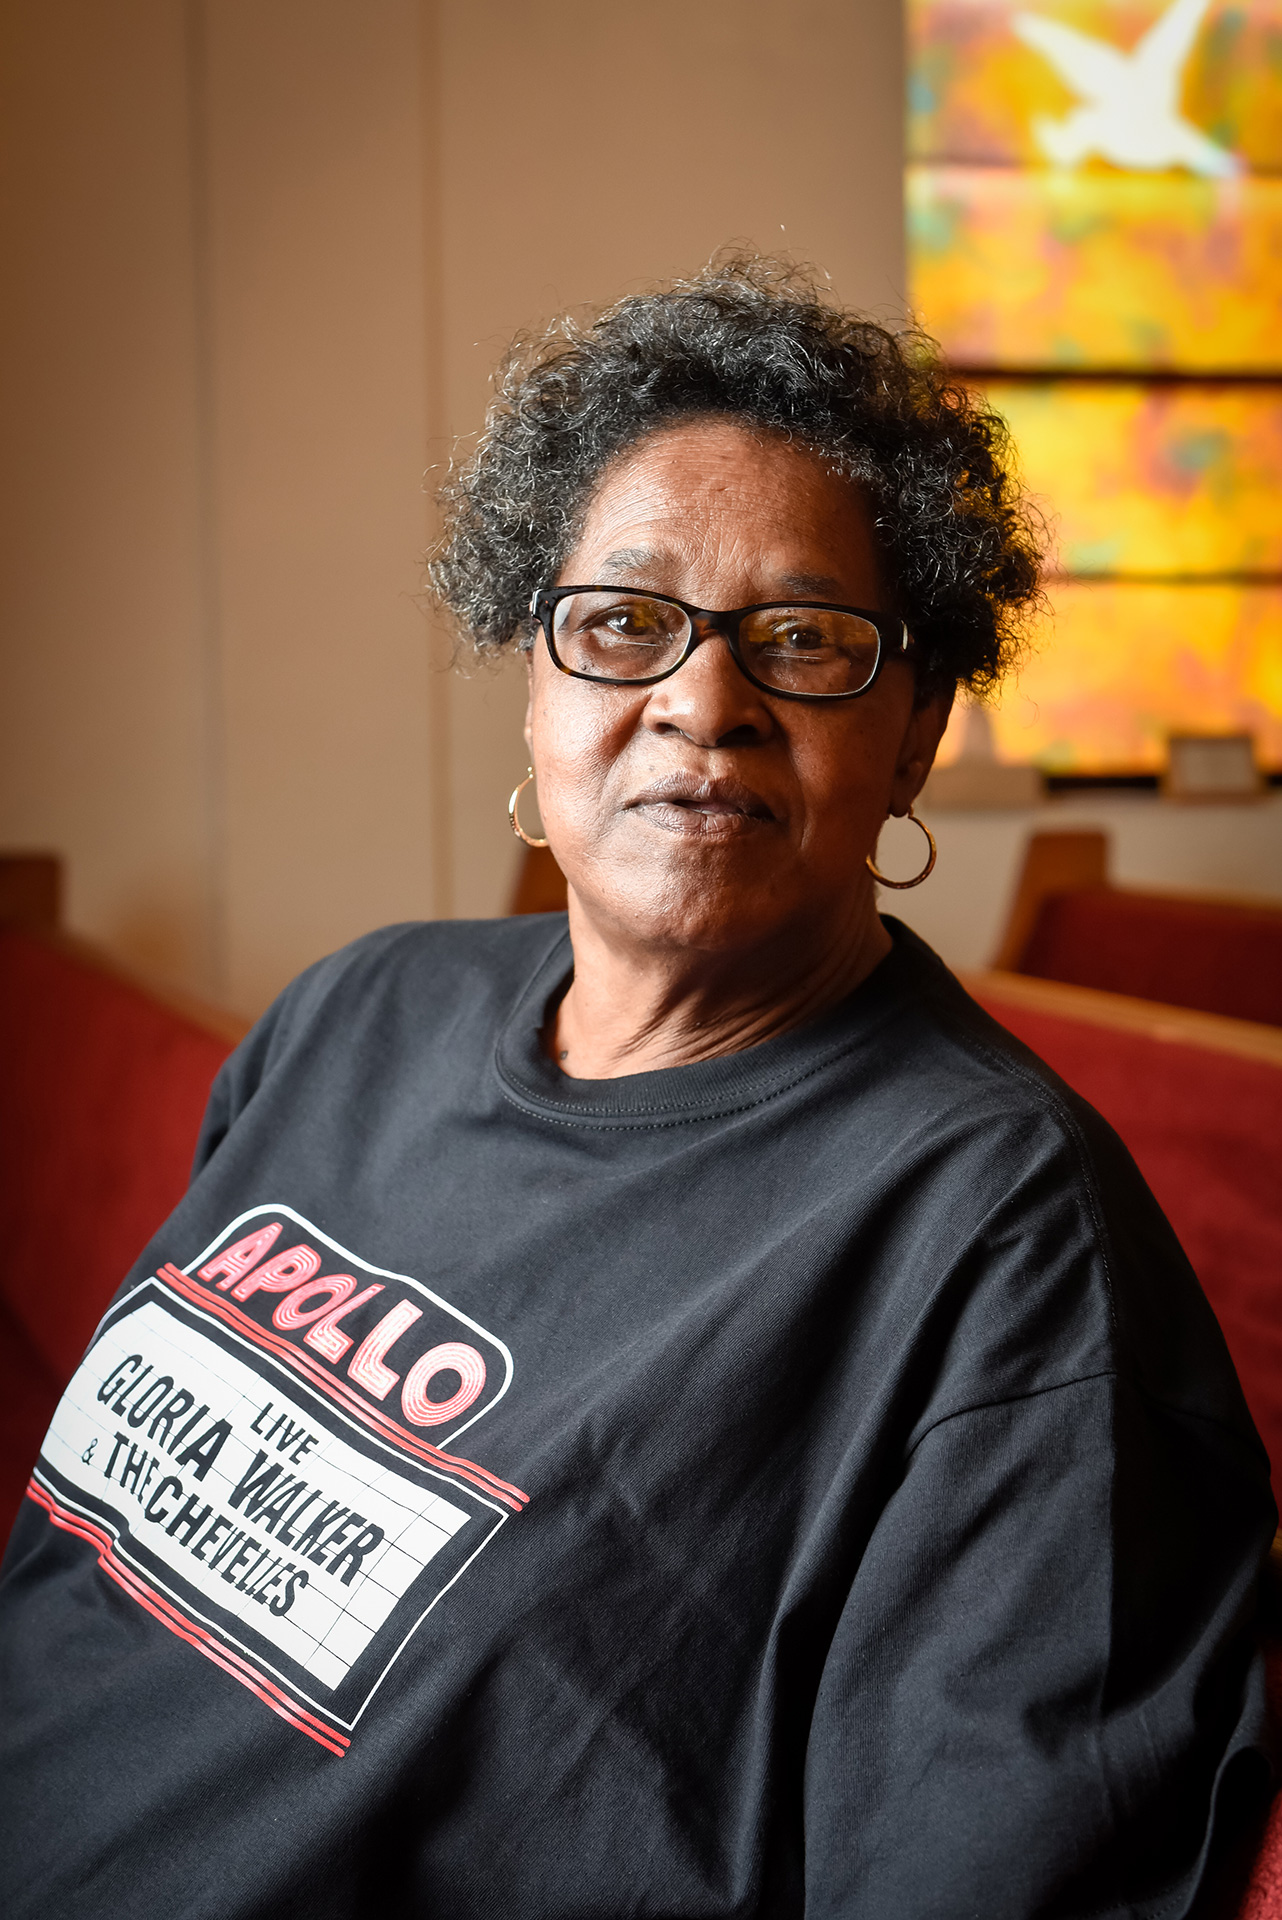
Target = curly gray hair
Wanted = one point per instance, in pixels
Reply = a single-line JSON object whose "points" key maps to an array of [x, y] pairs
{"points": [[755, 340]]}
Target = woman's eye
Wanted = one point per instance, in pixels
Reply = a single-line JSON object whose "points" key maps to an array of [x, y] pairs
{"points": [[628, 623], [798, 639]]}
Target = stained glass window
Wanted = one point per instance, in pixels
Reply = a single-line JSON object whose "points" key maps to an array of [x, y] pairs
{"points": [[1095, 236]]}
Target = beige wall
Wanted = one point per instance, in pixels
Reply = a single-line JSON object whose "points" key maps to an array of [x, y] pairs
{"points": [[216, 699], [315, 291], [104, 753], [262, 255]]}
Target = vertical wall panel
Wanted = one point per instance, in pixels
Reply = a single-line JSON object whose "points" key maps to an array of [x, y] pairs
{"points": [[103, 748], [316, 240]]}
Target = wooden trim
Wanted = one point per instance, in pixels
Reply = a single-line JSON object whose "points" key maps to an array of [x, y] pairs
{"points": [[1064, 861], [1182, 1025], [219, 1022]]}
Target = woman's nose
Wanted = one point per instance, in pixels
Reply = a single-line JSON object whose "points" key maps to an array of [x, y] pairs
{"points": [[709, 700]]}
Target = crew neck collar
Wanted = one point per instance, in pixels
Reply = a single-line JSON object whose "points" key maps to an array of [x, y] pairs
{"points": [[707, 1089]]}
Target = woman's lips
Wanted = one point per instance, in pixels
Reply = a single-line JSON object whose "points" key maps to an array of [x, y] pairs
{"points": [[706, 808]]}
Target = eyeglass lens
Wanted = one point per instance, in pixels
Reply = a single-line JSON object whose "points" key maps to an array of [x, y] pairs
{"points": [[627, 636]]}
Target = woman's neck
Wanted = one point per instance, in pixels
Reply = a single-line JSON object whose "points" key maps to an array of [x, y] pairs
{"points": [[634, 1008]]}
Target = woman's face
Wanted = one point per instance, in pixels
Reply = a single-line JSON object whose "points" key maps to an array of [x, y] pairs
{"points": [[703, 812]]}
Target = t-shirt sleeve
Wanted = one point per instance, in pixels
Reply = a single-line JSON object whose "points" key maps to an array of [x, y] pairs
{"points": [[310, 1005], [1044, 1666], [236, 1082]]}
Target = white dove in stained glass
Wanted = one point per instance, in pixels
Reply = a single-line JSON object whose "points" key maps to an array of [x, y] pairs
{"points": [[1130, 112]]}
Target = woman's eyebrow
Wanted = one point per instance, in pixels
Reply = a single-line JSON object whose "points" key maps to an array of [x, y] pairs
{"points": [[817, 586], [814, 586], [634, 559]]}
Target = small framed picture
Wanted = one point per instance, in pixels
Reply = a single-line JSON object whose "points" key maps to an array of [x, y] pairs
{"points": [[1212, 766]]}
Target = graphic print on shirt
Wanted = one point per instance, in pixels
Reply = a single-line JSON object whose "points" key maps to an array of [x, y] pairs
{"points": [[257, 1446]]}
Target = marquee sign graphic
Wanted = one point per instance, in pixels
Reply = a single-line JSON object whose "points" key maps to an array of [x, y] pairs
{"points": [[259, 1447]]}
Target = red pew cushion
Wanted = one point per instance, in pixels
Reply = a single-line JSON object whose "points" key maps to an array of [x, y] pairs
{"points": [[1209, 954]]}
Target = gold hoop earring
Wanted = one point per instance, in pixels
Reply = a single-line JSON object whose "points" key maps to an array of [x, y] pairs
{"points": [[926, 871], [513, 819]]}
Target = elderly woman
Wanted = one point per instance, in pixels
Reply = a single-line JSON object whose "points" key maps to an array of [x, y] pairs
{"points": [[676, 1414]]}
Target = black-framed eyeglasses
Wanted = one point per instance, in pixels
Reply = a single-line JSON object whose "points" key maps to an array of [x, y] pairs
{"points": [[796, 649]]}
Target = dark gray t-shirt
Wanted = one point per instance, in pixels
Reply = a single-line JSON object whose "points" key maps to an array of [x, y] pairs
{"points": [[810, 1480]]}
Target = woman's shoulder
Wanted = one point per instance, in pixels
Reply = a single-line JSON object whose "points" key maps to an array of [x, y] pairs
{"points": [[395, 990], [507, 943], [1026, 1134], [945, 1038], [426, 960], [1063, 1210]]}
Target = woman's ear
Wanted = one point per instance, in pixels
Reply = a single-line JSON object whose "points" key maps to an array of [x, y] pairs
{"points": [[917, 750], [529, 705]]}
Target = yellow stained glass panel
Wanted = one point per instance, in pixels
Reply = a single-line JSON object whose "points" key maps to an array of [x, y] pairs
{"points": [[1124, 664], [976, 89], [1086, 269], [1161, 478], [1057, 234]]}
